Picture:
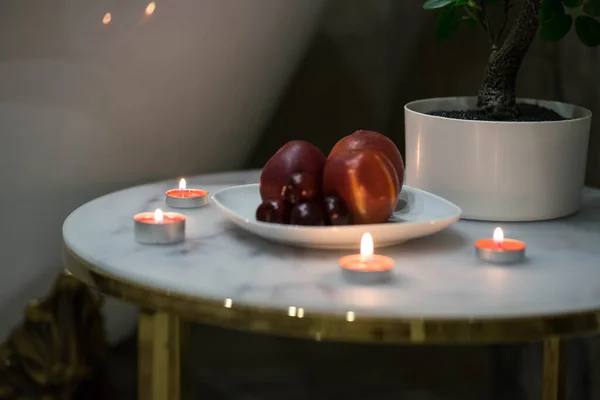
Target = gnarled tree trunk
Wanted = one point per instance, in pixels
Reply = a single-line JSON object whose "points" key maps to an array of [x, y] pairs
{"points": [[497, 91]]}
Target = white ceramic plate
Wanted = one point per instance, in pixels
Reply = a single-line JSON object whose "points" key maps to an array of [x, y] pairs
{"points": [[418, 214]]}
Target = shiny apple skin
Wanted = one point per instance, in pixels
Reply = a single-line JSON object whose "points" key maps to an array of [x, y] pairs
{"points": [[366, 139], [295, 156], [367, 183]]}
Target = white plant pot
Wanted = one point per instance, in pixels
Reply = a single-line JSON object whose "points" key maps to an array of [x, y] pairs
{"points": [[498, 171], [91, 103]]}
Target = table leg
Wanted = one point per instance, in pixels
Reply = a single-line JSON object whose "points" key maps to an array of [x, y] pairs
{"points": [[161, 338], [554, 376]]}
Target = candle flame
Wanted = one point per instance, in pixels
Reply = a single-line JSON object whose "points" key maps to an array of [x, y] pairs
{"points": [[182, 184], [366, 247], [107, 18], [498, 236], [150, 8], [158, 215]]}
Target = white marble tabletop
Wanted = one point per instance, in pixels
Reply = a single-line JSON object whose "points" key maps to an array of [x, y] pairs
{"points": [[435, 277]]}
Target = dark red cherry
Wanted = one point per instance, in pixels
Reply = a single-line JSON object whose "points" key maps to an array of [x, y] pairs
{"points": [[301, 187], [307, 214], [273, 211], [336, 211]]}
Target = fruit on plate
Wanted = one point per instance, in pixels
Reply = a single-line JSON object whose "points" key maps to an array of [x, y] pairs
{"points": [[366, 181], [295, 156], [301, 187], [336, 211], [307, 213], [363, 140], [358, 183], [273, 211]]}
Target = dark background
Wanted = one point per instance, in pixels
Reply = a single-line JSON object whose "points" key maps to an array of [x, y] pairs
{"points": [[370, 58]]}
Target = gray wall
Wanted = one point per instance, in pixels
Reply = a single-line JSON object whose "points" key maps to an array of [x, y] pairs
{"points": [[88, 108]]}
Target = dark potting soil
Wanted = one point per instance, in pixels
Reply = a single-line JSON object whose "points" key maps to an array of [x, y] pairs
{"points": [[528, 113]]}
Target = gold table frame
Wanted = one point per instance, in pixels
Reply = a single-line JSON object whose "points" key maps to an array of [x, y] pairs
{"points": [[163, 330]]}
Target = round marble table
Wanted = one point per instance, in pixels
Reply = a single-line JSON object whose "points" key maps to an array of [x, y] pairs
{"points": [[441, 293]]}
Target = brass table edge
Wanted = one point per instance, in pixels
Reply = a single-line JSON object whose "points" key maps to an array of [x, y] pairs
{"points": [[332, 327]]}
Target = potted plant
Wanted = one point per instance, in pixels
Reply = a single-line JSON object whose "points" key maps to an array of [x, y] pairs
{"points": [[500, 157]]}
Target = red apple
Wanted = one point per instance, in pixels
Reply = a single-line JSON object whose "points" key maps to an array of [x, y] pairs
{"points": [[295, 156], [366, 181], [363, 139]]}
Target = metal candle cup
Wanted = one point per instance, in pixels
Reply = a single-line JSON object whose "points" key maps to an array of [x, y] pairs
{"points": [[366, 267], [500, 250], [159, 228], [186, 198]]}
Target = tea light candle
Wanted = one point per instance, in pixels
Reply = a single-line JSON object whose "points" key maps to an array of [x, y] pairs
{"points": [[500, 250], [367, 267], [159, 228], [186, 198]]}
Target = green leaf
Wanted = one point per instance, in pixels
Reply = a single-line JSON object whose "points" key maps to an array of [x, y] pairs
{"points": [[448, 22], [472, 3], [557, 29], [572, 3], [469, 16], [467, 3], [554, 22], [434, 4], [550, 9], [592, 7], [588, 30]]}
